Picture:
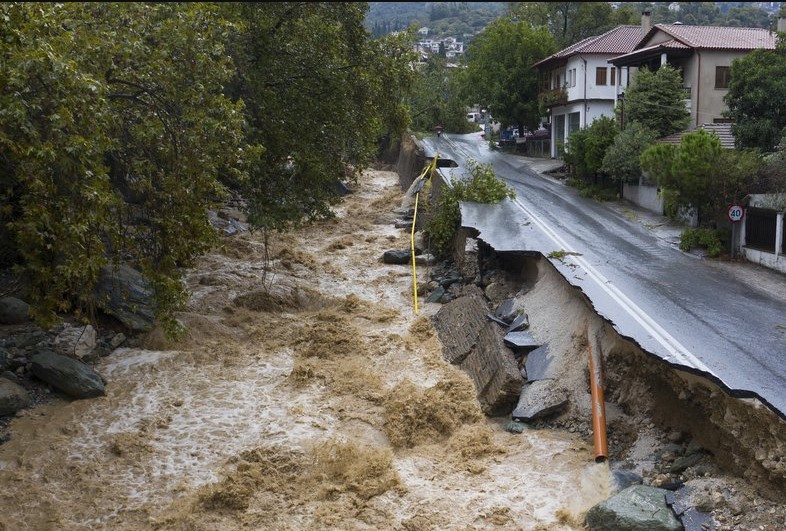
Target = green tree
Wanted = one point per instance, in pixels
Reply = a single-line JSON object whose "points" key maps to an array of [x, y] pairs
{"points": [[587, 147], [437, 98], [602, 133], [575, 154], [570, 22], [656, 100], [115, 132], [757, 97], [499, 72], [622, 158], [701, 174], [318, 95]]}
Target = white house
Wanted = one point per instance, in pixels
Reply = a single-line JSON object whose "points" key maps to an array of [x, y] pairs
{"points": [[578, 85]]}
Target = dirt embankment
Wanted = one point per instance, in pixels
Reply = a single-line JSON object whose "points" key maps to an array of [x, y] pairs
{"points": [[746, 438]]}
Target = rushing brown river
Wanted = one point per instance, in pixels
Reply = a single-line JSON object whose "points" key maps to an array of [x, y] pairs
{"points": [[307, 395]]}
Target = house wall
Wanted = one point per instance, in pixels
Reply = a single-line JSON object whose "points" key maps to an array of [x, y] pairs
{"points": [[585, 67], [710, 104], [585, 97]]}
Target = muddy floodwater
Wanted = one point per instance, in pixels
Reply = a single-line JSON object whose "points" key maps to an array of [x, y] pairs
{"points": [[306, 394]]}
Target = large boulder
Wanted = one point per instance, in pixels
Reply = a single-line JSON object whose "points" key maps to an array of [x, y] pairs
{"points": [[72, 377], [124, 293], [13, 311], [76, 341], [13, 397], [637, 508]]}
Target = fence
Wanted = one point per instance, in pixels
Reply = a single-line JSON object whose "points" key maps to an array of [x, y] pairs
{"points": [[760, 229]]}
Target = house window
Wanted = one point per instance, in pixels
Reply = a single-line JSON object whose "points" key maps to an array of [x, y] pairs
{"points": [[600, 75], [613, 76], [574, 122], [572, 77], [722, 77]]}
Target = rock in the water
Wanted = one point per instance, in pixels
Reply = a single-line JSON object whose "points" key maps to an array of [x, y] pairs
{"points": [[13, 397], [637, 508], [397, 257], [68, 375], [436, 295], [13, 311], [625, 478]]}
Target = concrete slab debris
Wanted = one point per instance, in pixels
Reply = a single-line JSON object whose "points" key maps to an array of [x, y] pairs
{"points": [[540, 399]]}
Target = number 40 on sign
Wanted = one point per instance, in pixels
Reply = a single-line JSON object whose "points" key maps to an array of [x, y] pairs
{"points": [[736, 213]]}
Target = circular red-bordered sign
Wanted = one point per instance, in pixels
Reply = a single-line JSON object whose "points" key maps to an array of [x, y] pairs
{"points": [[735, 213]]}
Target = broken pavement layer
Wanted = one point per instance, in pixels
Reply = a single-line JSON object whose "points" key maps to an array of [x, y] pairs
{"points": [[476, 345], [508, 227]]}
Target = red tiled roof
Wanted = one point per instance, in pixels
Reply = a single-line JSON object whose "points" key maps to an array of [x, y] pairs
{"points": [[718, 37], [619, 40]]}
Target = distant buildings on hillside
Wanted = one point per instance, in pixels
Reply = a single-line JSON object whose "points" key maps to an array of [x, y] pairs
{"points": [[449, 47]]}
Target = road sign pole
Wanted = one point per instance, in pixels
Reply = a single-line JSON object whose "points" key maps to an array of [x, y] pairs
{"points": [[734, 239]]}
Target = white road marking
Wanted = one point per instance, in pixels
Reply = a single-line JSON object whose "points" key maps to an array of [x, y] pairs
{"points": [[674, 347]]}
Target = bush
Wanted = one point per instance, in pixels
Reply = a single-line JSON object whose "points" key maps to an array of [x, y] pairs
{"points": [[709, 239]]}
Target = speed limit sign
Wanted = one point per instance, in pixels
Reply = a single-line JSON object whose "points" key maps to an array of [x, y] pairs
{"points": [[736, 213]]}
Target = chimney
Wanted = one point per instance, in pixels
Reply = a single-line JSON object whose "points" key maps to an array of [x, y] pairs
{"points": [[646, 22], [781, 24]]}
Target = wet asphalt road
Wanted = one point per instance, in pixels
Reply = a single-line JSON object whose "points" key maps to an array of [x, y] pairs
{"points": [[670, 303]]}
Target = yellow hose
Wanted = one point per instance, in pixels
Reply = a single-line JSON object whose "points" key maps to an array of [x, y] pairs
{"points": [[430, 171]]}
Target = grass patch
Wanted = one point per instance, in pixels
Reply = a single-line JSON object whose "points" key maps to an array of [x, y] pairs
{"points": [[561, 254]]}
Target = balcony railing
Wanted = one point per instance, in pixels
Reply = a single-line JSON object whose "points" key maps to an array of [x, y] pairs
{"points": [[554, 97]]}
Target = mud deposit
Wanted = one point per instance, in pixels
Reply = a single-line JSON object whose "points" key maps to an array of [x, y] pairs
{"points": [[307, 394]]}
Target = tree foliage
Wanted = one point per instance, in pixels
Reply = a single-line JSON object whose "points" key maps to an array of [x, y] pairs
{"points": [[570, 22], [736, 14], [757, 98], [437, 98], [121, 124], [622, 158], [587, 147], [656, 100], [114, 132], [316, 93], [499, 73], [701, 173]]}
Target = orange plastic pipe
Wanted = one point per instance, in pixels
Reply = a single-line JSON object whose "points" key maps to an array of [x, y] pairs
{"points": [[598, 411]]}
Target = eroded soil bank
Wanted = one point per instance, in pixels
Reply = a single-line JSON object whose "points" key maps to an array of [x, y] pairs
{"points": [[654, 412], [308, 394]]}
